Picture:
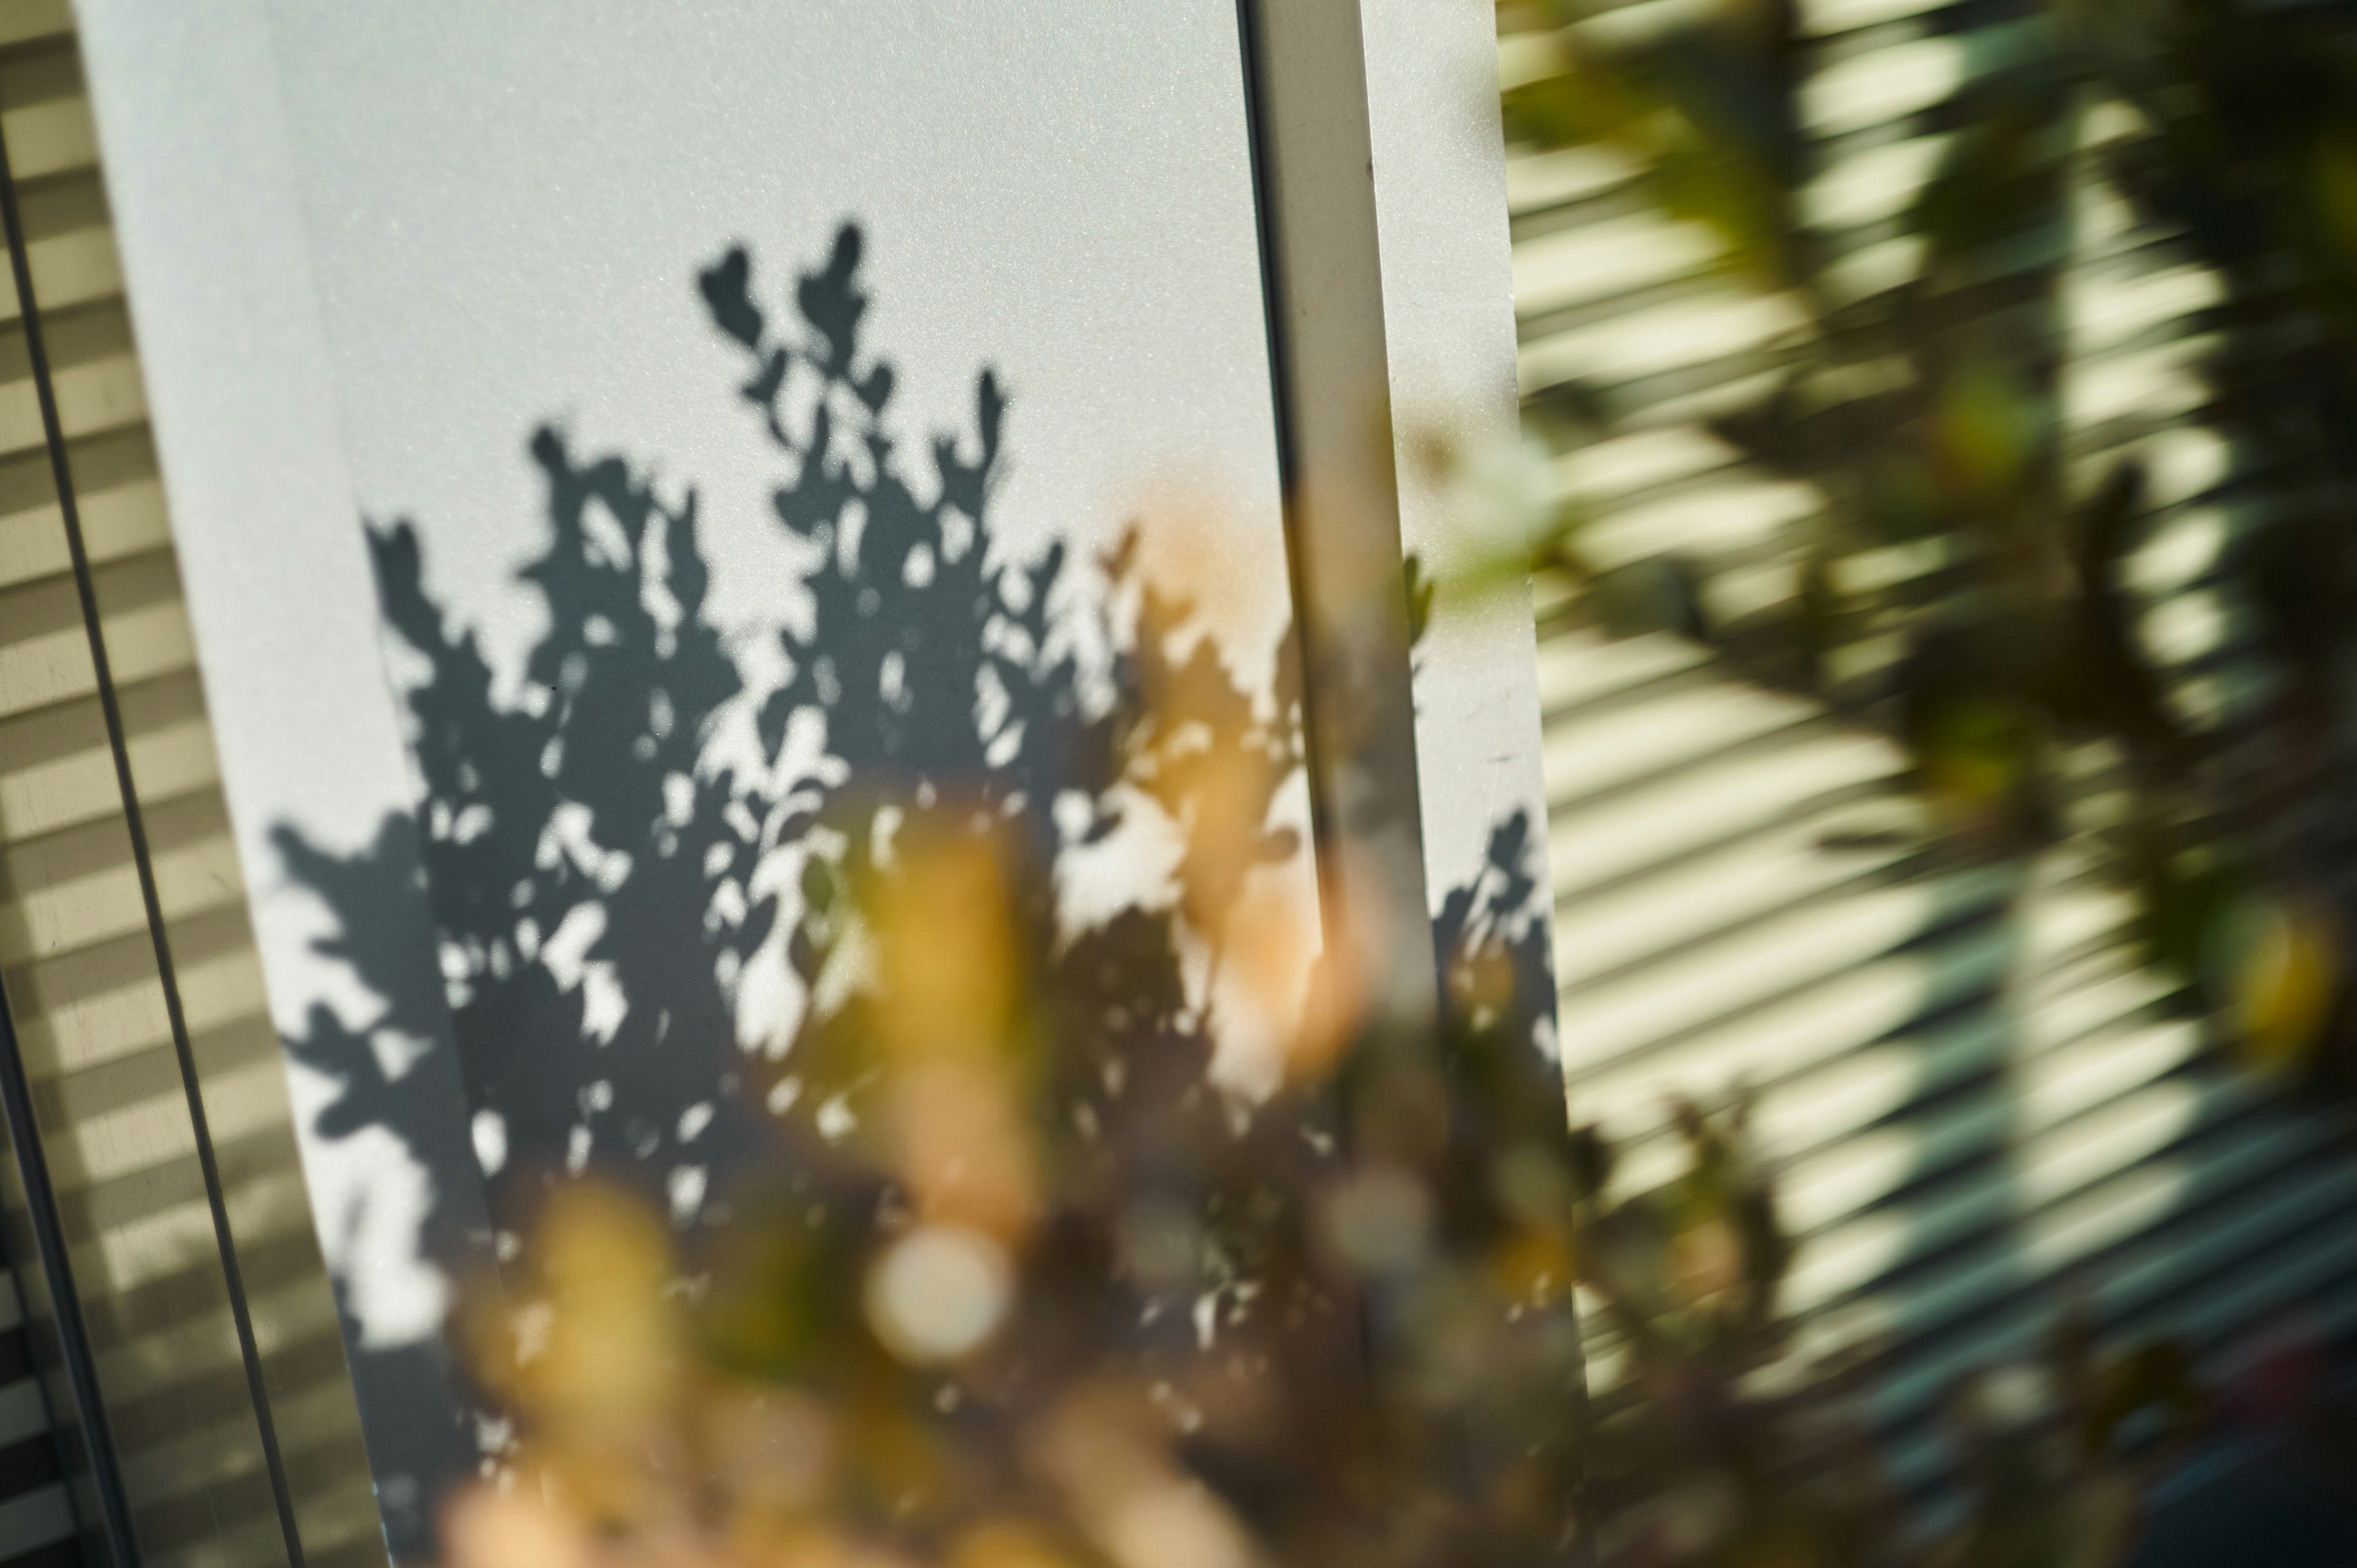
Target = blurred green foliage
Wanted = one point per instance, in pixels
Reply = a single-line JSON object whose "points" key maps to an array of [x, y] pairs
{"points": [[1927, 410]]}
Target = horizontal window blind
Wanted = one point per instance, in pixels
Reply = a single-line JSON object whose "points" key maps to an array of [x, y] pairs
{"points": [[1977, 1098], [37, 1514], [79, 958]]}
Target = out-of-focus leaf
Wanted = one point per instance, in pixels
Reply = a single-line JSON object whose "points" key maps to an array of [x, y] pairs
{"points": [[1654, 593], [1581, 104], [2283, 974], [1420, 589], [1988, 426]]}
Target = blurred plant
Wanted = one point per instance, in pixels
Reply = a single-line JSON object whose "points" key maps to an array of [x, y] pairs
{"points": [[2242, 170], [1716, 1442], [1710, 1445], [1923, 410], [2059, 1456], [1050, 1297], [1145, 1331], [942, 1386]]}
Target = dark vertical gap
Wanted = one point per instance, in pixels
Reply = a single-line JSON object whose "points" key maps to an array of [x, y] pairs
{"points": [[1325, 839], [1323, 835], [1582, 1549], [50, 1243], [85, 586]]}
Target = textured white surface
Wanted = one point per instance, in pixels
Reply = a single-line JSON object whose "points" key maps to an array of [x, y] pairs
{"points": [[508, 205], [370, 249], [245, 395], [1440, 211]]}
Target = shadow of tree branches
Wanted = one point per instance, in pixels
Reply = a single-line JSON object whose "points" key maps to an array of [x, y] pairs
{"points": [[605, 858]]}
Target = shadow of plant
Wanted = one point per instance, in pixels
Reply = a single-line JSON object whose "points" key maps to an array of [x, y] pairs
{"points": [[605, 859]]}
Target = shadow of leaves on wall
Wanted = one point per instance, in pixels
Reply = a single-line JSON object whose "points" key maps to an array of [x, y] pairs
{"points": [[605, 859]]}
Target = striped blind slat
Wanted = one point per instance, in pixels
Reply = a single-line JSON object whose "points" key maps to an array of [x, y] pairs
{"points": [[1977, 1101], [76, 954]]}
